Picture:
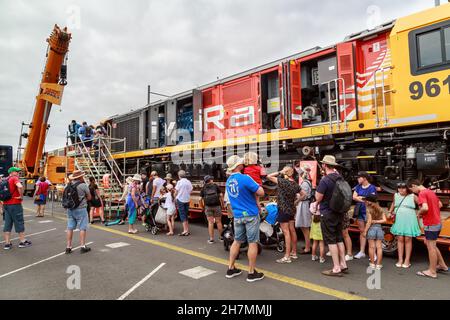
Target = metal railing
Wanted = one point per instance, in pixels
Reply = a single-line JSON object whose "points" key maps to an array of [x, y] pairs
{"points": [[334, 103], [383, 94]]}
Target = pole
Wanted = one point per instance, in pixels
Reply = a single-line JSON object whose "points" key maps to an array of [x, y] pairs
{"points": [[148, 95]]}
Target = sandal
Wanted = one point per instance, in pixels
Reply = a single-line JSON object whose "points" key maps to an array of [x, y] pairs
{"points": [[399, 265], [293, 256], [331, 273], [406, 266], [423, 274], [284, 260], [184, 234], [442, 270]]}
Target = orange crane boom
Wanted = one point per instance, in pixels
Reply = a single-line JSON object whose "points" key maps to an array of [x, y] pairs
{"points": [[50, 92]]}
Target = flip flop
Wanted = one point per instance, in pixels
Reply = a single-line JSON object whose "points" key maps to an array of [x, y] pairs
{"points": [[443, 270], [331, 273], [344, 270], [422, 274]]}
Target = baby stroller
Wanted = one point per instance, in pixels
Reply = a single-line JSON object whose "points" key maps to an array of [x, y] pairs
{"points": [[228, 238], [271, 234], [151, 223]]}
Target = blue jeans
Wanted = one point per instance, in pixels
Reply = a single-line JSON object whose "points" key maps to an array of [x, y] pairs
{"points": [[246, 229], [13, 216], [77, 217], [183, 210]]}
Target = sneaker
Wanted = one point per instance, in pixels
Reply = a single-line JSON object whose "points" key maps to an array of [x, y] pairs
{"points": [[221, 239], [314, 258], [379, 267], [294, 257], [210, 241], [8, 246], [25, 244], [322, 260], [348, 257], [372, 265], [231, 273], [85, 249], [68, 251], [255, 276], [360, 255], [328, 254]]}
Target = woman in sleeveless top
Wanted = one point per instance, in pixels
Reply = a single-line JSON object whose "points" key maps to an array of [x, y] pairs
{"points": [[406, 224]]}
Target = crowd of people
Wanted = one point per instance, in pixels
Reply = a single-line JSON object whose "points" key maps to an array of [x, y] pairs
{"points": [[299, 206], [86, 134]]}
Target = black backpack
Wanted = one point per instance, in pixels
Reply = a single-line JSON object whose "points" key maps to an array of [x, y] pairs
{"points": [[341, 199], [88, 132], [210, 195], [5, 192], [70, 199]]}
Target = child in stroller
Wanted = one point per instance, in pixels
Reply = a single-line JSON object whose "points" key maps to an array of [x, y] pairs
{"points": [[156, 215], [271, 234]]}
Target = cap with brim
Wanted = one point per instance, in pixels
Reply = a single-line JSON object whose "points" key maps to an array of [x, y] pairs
{"points": [[77, 174], [371, 198], [330, 160], [233, 162], [14, 169], [363, 174], [207, 178]]}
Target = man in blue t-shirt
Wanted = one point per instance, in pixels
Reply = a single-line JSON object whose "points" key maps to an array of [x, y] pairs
{"points": [[243, 192]]}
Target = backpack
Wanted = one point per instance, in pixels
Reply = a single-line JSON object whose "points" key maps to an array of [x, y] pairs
{"points": [[341, 199], [70, 199], [5, 192], [312, 196], [88, 132], [210, 195]]}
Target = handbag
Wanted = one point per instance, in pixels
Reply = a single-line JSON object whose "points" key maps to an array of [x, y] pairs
{"points": [[161, 216]]}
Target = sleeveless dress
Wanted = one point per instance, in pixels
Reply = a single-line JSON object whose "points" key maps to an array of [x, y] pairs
{"points": [[406, 223], [132, 210], [303, 216]]}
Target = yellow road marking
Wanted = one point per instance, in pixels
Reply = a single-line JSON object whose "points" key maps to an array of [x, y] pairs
{"points": [[268, 274]]}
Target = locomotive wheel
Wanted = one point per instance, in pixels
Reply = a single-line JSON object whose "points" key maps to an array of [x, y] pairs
{"points": [[389, 244]]}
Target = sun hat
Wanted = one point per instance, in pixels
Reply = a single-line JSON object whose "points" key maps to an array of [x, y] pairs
{"points": [[168, 176], [137, 177], [233, 162], [129, 180], [77, 174], [330, 160], [14, 169]]}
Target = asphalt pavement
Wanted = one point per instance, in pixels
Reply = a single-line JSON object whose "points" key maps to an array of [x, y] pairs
{"points": [[146, 266]]}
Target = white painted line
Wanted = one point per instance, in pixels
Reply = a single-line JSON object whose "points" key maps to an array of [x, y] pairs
{"points": [[33, 234], [117, 245], [46, 221], [197, 272], [39, 262], [104, 250], [137, 285], [27, 215]]}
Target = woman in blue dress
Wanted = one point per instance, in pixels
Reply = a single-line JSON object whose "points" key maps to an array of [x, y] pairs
{"points": [[132, 202]]}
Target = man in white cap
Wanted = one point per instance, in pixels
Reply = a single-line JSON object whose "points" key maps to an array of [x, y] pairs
{"points": [[331, 222], [78, 216], [243, 192]]}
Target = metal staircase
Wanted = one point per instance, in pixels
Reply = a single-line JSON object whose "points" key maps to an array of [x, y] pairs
{"points": [[98, 162]]}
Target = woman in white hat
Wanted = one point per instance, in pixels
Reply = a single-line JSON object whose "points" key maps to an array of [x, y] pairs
{"points": [[132, 202]]}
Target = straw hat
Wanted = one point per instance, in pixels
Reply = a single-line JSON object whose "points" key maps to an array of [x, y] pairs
{"points": [[330, 160], [233, 162], [129, 180], [77, 174], [137, 177]]}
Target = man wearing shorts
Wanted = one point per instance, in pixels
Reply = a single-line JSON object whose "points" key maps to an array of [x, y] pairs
{"points": [[13, 211], [212, 201], [242, 193], [430, 212], [183, 191], [330, 221], [78, 216]]}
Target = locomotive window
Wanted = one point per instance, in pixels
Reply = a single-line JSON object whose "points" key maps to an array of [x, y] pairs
{"points": [[429, 45], [430, 48]]}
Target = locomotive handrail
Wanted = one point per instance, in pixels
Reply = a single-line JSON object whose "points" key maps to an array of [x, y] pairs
{"points": [[383, 94], [336, 104]]}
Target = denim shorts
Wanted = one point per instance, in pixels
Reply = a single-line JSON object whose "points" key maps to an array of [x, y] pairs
{"points": [[432, 232], [375, 232], [13, 216], [246, 229], [77, 217], [183, 210]]}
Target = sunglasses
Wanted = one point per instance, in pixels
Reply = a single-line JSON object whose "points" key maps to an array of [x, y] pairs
{"points": [[401, 186]]}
